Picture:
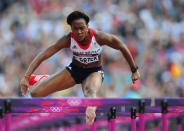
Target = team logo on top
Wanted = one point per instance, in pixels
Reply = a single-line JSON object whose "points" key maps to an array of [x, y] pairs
{"points": [[74, 47]]}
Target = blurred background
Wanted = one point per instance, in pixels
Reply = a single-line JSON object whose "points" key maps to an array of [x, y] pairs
{"points": [[153, 30]]}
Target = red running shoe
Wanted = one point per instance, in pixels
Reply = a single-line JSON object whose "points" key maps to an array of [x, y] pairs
{"points": [[33, 79]]}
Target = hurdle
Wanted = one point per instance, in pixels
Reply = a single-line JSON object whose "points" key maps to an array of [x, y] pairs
{"points": [[69, 113], [166, 104], [64, 106]]}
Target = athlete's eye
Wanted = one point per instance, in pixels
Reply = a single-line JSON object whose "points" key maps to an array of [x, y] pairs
{"points": [[82, 28]]}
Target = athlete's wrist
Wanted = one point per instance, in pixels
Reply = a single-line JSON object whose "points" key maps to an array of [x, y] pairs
{"points": [[26, 76], [134, 69]]}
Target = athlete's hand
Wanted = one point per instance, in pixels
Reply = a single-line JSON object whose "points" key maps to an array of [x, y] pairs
{"points": [[24, 85], [135, 76]]}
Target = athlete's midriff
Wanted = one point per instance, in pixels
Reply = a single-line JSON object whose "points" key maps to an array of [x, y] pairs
{"points": [[75, 62]]}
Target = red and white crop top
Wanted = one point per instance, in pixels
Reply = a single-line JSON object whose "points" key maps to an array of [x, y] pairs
{"points": [[88, 54]]}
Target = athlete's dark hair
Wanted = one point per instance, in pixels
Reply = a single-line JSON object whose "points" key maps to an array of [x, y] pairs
{"points": [[75, 15]]}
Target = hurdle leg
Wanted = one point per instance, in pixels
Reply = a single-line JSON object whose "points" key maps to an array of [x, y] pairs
{"points": [[57, 127], [77, 127], [141, 122], [93, 127], [179, 124], [133, 124], [164, 122], [156, 129], [133, 119], [111, 119], [156, 122], [7, 106], [179, 127], [7, 121], [66, 129], [109, 125], [141, 117], [113, 125], [164, 106]]}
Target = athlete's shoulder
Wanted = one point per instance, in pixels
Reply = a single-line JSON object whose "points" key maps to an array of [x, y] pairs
{"points": [[65, 37], [101, 37], [65, 40], [98, 33]]}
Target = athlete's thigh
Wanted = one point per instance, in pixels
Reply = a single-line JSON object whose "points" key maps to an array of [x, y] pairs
{"points": [[59, 81], [92, 84]]}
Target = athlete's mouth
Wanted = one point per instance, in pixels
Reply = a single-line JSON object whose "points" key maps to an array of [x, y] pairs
{"points": [[80, 36]]}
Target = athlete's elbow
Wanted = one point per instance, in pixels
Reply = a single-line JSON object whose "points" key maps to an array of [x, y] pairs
{"points": [[43, 56]]}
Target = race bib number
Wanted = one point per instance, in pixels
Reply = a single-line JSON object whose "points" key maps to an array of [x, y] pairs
{"points": [[87, 60]]}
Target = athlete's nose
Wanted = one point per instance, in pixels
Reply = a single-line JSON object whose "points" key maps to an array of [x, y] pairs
{"points": [[79, 32]]}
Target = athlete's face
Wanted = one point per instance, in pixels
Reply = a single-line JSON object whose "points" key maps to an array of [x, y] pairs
{"points": [[79, 29]]}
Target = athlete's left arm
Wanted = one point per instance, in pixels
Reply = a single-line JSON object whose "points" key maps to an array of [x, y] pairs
{"points": [[115, 43]]}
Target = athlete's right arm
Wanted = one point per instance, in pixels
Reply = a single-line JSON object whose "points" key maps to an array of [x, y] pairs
{"points": [[50, 51]]}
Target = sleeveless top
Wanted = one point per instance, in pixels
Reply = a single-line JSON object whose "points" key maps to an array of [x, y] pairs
{"points": [[88, 54]]}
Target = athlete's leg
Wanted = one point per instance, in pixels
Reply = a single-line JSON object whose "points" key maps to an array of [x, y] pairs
{"points": [[92, 84], [59, 81], [90, 87]]}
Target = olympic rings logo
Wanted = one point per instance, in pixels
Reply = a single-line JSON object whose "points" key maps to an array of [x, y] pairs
{"points": [[74, 102], [56, 109]]}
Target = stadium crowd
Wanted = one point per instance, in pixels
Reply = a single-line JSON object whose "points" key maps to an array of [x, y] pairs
{"points": [[153, 30]]}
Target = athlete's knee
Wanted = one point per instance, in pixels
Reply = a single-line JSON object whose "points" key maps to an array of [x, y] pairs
{"points": [[34, 94], [89, 91]]}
